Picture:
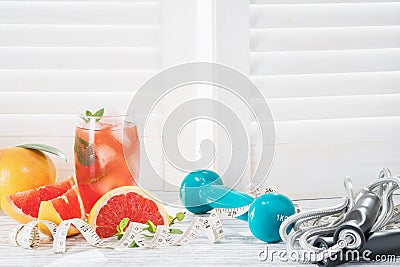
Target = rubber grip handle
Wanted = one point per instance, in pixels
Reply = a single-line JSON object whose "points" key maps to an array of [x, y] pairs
{"points": [[378, 243], [362, 216]]}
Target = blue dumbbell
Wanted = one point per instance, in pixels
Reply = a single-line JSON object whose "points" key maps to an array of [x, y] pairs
{"points": [[203, 190]]}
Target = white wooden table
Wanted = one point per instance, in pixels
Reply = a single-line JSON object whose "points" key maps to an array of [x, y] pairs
{"points": [[238, 248]]}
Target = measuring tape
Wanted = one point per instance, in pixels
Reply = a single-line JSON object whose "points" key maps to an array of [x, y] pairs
{"points": [[27, 235]]}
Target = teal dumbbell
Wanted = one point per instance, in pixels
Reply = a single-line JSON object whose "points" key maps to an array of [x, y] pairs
{"points": [[203, 190]]}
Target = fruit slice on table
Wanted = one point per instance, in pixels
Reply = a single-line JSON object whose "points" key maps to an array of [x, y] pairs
{"points": [[125, 202], [24, 206], [67, 206]]}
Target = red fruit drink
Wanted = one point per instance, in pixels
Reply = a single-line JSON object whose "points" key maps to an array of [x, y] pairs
{"points": [[102, 159]]}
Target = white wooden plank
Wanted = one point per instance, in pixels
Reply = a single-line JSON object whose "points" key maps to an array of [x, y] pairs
{"points": [[237, 248], [79, 35], [62, 102], [50, 80], [329, 61], [74, 13], [324, 15], [328, 84], [332, 107], [292, 39], [79, 58]]}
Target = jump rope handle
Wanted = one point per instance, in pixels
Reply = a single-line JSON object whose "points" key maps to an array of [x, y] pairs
{"points": [[355, 230], [377, 244]]}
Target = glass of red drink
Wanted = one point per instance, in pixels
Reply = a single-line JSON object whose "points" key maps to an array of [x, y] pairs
{"points": [[107, 153]]}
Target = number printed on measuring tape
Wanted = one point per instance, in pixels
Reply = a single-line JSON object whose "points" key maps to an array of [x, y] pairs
{"points": [[27, 236]]}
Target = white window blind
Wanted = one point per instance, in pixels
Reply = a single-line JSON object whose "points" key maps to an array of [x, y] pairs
{"points": [[330, 71], [60, 57]]}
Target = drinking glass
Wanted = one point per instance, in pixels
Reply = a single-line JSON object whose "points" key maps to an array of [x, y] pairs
{"points": [[107, 153]]}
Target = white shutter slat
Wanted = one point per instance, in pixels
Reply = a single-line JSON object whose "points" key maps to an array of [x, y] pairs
{"points": [[45, 125], [92, 1], [334, 131], [79, 35], [79, 58], [312, 171], [82, 13], [332, 107], [338, 131], [291, 39], [316, 1], [330, 84], [50, 80], [324, 15], [332, 61], [45, 102]]}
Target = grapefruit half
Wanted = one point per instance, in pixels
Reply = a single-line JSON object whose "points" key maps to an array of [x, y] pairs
{"points": [[125, 202]]}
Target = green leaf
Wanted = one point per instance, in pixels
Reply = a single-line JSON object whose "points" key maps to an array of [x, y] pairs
{"points": [[175, 231], [180, 216], [99, 113], [45, 148], [152, 227], [84, 151], [148, 236], [170, 218], [133, 244], [124, 222]]}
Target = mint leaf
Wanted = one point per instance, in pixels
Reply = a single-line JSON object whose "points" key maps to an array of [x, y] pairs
{"points": [[84, 151], [119, 234], [175, 231], [180, 216], [170, 218], [98, 114], [45, 148], [124, 222], [133, 244], [152, 228]]}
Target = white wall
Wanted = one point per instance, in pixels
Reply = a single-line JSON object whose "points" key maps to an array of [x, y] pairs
{"points": [[329, 69]]}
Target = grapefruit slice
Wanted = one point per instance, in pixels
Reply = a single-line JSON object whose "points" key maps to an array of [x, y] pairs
{"points": [[125, 202], [64, 207], [24, 206]]}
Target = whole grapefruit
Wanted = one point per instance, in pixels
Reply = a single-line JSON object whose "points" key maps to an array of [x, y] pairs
{"points": [[24, 169]]}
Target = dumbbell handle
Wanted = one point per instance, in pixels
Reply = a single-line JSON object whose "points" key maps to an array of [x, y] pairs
{"points": [[219, 196]]}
